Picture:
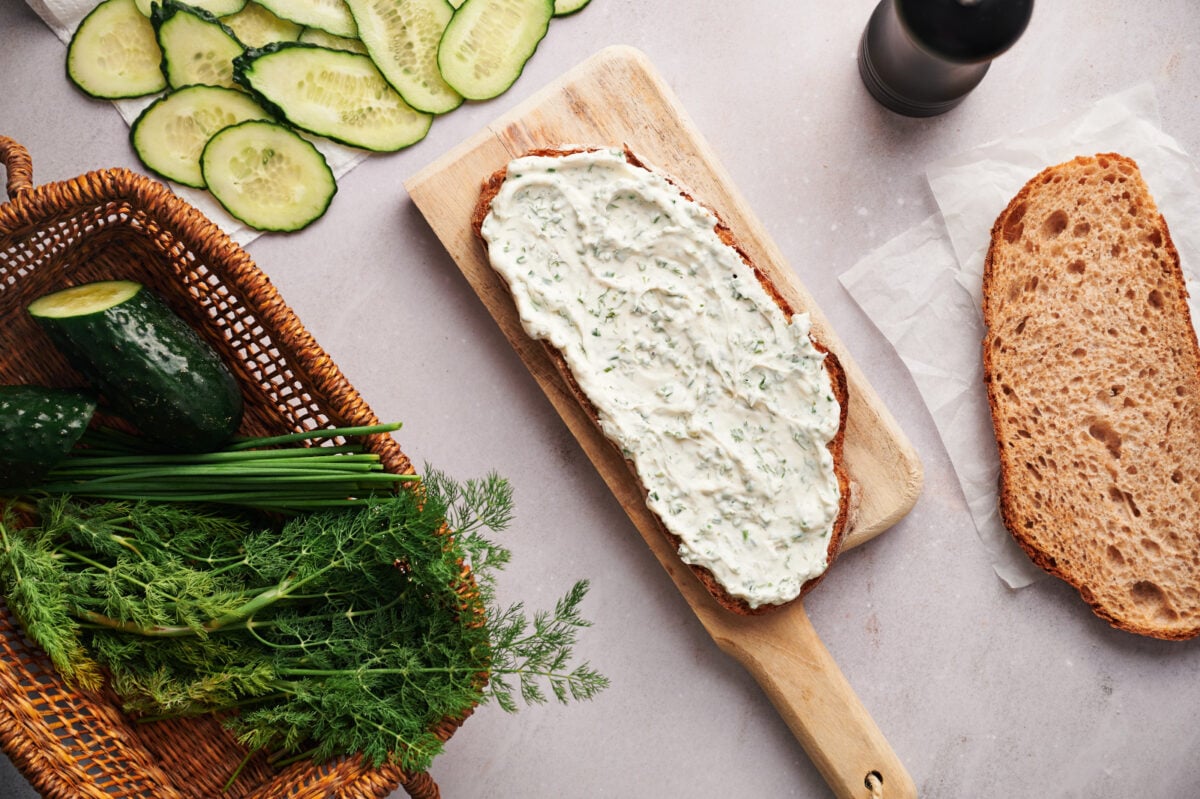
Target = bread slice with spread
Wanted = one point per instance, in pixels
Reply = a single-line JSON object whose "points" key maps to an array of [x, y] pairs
{"points": [[1093, 378], [687, 358]]}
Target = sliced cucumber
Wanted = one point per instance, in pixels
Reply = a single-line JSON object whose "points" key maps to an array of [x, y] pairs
{"points": [[331, 16], [268, 176], [196, 48], [331, 93], [488, 42], [170, 134], [219, 8], [564, 7], [149, 365], [322, 39], [38, 427], [402, 39], [256, 26], [113, 53]]}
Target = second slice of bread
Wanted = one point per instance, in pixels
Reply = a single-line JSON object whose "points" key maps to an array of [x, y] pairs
{"points": [[1093, 378]]}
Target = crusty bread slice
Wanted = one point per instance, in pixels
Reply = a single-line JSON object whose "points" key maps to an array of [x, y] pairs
{"points": [[1093, 378], [491, 186]]}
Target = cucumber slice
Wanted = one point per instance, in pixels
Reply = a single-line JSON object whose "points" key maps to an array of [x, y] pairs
{"points": [[219, 8], [267, 176], [170, 134], [113, 53], [402, 39], [331, 93], [38, 427], [331, 16], [488, 42], [322, 39], [196, 48], [564, 7], [256, 26], [152, 368]]}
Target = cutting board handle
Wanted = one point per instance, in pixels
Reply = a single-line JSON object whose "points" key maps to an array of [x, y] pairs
{"points": [[791, 664]]}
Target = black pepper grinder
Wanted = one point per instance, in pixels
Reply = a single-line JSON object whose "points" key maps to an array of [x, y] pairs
{"points": [[922, 57]]}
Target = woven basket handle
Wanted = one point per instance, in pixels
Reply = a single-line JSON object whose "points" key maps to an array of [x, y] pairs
{"points": [[18, 165]]}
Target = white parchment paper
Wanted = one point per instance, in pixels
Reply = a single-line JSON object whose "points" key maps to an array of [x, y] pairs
{"points": [[64, 16], [923, 288]]}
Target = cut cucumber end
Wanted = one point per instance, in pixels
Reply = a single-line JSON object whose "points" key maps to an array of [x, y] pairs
{"points": [[149, 365], [267, 176], [86, 299]]}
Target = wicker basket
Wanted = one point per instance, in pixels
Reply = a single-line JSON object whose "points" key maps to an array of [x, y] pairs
{"points": [[117, 224]]}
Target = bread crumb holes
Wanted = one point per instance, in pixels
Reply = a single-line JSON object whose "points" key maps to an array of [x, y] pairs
{"points": [[1103, 432], [1150, 596], [1055, 224]]}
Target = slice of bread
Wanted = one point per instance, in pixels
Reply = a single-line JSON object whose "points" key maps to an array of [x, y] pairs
{"points": [[492, 185], [1093, 378]]}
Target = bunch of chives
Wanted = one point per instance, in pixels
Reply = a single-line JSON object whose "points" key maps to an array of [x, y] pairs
{"points": [[268, 473]]}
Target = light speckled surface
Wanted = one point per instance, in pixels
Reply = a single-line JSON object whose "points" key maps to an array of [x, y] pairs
{"points": [[981, 690]]}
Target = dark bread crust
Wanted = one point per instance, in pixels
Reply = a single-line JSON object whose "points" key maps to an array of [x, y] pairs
{"points": [[1111, 594], [491, 186]]}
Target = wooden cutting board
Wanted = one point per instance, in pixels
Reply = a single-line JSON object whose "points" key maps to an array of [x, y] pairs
{"points": [[616, 98]]}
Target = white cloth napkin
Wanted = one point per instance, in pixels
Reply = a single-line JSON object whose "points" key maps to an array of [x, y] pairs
{"points": [[923, 289], [64, 16]]}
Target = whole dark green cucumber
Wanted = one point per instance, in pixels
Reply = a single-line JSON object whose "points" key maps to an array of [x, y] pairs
{"points": [[38, 427], [149, 365]]}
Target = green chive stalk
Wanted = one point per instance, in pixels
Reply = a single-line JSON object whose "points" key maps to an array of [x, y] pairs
{"points": [[283, 474]]}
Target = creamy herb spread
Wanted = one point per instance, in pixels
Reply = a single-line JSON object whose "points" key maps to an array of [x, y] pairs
{"points": [[723, 405]]}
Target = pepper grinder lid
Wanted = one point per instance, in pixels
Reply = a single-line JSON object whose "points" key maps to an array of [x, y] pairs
{"points": [[922, 57], [965, 31]]}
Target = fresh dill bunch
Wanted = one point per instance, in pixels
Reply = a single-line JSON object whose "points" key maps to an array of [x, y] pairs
{"points": [[353, 630]]}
